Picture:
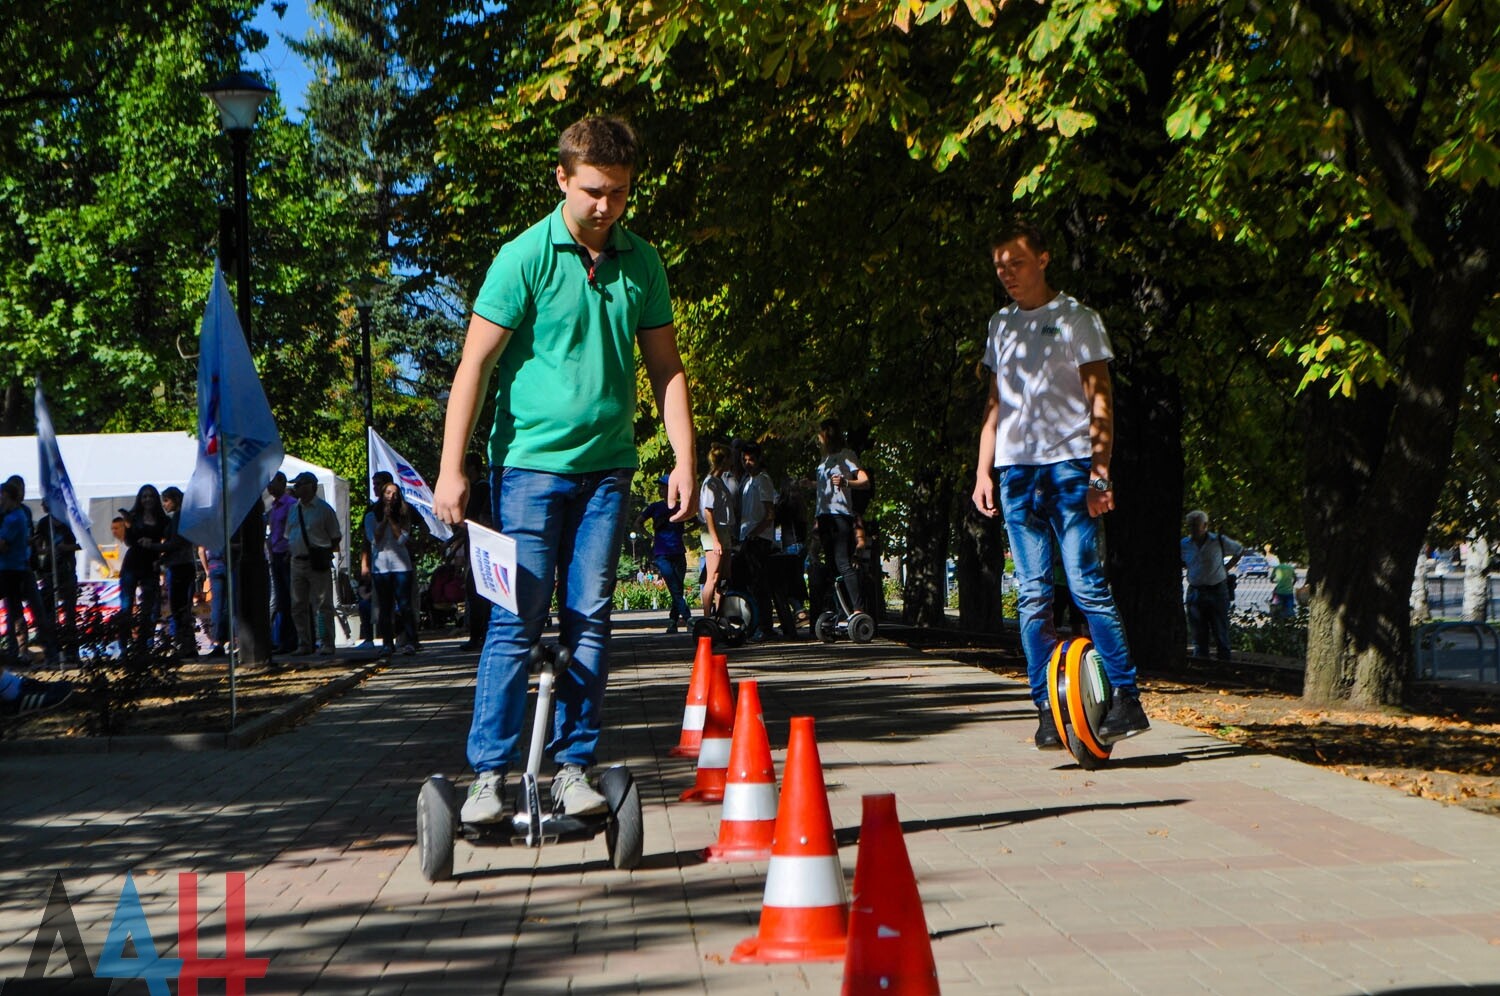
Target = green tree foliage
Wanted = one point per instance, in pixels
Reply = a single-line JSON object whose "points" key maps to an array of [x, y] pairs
{"points": [[105, 217], [1315, 178]]}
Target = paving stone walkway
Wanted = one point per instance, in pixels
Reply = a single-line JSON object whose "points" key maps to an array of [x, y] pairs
{"points": [[1187, 865]]}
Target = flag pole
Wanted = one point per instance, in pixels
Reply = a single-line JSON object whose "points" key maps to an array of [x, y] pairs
{"points": [[234, 640], [56, 591]]}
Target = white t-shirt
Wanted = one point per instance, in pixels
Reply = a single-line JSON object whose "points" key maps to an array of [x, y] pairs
{"points": [[1044, 414], [716, 503], [755, 518], [832, 500]]}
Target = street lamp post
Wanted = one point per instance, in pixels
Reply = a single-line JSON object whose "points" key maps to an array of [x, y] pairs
{"points": [[363, 304], [238, 97]]}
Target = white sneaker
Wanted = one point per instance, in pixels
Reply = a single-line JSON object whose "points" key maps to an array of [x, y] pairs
{"points": [[485, 802], [572, 794]]}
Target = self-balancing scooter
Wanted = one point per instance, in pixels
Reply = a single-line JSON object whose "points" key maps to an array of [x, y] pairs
{"points": [[534, 823], [1079, 693], [732, 620], [830, 625]]}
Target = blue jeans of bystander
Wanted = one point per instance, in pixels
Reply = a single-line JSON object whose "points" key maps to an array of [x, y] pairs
{"points": [[673, 569]]}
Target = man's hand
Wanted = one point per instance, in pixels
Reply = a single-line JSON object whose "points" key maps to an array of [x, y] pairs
{"points": [[1100, 502], [682, 493], [984, 496], [450, 498]]}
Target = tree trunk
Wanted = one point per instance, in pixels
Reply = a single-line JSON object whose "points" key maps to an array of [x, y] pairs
{"points": [[981, 563], [927, 549], [1476, 580], [1142, 533], [1376, 464]]}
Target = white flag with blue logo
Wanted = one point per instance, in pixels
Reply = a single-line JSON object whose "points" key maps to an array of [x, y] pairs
{"points": [[492, 565], [236, 430], [413, 488], [58, 495]]}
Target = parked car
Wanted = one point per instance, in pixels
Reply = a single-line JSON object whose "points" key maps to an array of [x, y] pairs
{"points": [[1253, 565]]}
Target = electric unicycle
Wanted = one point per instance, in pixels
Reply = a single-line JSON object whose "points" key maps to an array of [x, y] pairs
{"points": [[534, 821], [1079, 692]]}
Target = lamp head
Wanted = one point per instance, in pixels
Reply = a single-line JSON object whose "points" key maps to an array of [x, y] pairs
{"points": [[238, 96]]}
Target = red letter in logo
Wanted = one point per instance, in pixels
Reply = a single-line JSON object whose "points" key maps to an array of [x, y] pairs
{"points": [[234, 968]]}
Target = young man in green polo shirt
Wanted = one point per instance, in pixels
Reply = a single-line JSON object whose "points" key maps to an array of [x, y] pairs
{"points": [[556, 326]]}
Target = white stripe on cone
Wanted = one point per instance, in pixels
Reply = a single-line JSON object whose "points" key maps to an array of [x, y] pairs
{"points": [[714, 753], [747, 801], [693, 717], [794, 882]]}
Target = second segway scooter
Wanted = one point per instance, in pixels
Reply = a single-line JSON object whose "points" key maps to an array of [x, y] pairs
{"points": [[535, 822], [858, 626]]}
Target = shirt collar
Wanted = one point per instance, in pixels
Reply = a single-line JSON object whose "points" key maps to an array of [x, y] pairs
{"points": [[557, 231]]}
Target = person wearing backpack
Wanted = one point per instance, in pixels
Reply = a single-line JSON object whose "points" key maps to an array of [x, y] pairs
{"points": [[1208, 558]]}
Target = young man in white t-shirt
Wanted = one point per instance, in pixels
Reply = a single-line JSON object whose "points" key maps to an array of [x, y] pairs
{"points": [[1048, 436]]}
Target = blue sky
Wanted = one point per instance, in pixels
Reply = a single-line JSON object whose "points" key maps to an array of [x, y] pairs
{"points": [[278, 65]]}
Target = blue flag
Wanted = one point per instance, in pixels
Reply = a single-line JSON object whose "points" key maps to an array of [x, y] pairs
{"points": [[58, 495], [237, 434]]}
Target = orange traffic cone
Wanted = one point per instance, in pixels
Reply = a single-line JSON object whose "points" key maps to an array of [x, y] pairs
{"points": [[748, 821], [718, 727], [697, 700], [804, 916], [889, 950]]}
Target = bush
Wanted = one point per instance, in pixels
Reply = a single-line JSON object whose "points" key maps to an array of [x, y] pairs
{"points": [[1254, 633], [633, 594]]}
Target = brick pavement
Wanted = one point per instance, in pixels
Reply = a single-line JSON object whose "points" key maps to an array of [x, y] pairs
{"points": [[1187, 865]]}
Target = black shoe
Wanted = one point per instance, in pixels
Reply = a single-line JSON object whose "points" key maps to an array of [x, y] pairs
{"points": [[1125, 718], [1047, 737]]}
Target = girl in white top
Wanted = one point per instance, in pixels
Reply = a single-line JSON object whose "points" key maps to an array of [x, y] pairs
{"points": [[387, 529], [717, 507]]}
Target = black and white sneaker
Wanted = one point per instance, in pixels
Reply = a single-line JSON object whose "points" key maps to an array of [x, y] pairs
{"points": [[36, 696]]}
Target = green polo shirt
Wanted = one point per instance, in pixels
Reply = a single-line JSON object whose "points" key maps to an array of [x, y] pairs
{"points": [[565, 382]]}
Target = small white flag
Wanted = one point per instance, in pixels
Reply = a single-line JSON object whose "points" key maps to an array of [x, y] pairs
{"points": [[413, 488], [492, 564], [57, 488]]}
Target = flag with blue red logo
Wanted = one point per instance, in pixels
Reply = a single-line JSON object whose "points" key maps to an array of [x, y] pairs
{"points": [[239, 447], [413, 487]]}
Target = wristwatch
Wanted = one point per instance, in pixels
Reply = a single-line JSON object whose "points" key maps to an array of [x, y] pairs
{"points": [[1102, 484]]}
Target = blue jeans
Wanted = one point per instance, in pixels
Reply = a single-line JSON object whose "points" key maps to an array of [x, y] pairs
{"points": [[566, 526], [1040, 502], [283, 629], [673, 568], [138, 618], [391, 593], [1208, 616], [218, 611]]}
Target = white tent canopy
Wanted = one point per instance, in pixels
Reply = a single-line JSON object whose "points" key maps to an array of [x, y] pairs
{"points": [[107, 469]]}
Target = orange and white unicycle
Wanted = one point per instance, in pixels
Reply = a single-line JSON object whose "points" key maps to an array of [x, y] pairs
{"points": [[1079, 692]]}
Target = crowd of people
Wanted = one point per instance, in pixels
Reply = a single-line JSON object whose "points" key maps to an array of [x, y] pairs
{"points": [[772, 544], [171, 590]]}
